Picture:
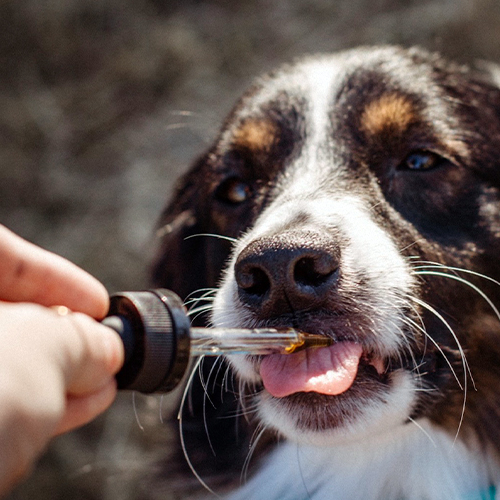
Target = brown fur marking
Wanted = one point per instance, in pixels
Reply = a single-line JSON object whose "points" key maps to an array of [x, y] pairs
{"points": [[391, 111], [256, 135]]}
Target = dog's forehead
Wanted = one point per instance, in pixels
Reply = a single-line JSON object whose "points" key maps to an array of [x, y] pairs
{"points": [[380, 79], [370, 91]]}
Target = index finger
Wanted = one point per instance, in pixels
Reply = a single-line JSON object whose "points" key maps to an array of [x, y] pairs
{"points": [[31, 274]]}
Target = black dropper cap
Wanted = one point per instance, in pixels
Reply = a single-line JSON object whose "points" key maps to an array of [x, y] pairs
{"points": [[154, 327]]}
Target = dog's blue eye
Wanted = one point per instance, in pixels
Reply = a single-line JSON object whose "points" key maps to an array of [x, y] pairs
{"points": [[233, 190], [420, 160]]}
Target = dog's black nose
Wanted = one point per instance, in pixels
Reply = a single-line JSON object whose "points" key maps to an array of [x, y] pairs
{"points": [[289, 272]]}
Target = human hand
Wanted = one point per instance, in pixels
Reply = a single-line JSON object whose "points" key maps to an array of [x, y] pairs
{"points": [[57, 364]]}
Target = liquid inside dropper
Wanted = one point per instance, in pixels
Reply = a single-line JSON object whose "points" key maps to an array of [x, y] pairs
{"points": [[257, 341]]}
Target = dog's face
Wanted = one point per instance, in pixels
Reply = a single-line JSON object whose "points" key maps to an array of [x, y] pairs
{"points": [[362, 191]]}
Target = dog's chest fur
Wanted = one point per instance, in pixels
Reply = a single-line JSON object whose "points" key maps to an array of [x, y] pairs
{"points": [[409, 464], [355, 196]]}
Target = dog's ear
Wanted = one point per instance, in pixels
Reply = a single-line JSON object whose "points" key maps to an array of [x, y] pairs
{"points": [[487, 100], [474, 94], [178, 256], [187, 259]]}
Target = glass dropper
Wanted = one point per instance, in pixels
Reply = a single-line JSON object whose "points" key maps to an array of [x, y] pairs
{"points": [[257, 341]]}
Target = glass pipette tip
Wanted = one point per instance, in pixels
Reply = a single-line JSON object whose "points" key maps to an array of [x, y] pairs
{"points": [[257, 341]]}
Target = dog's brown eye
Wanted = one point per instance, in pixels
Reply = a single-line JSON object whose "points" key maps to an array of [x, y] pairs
{"points": [[421, 160], [233, 190]]}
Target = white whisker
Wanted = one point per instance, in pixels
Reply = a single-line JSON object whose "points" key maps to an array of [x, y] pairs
{"points": [[206, 397], [212, 235], [437, 265], [437, 346], [258, 433], [462, 355], [207, 291], [197, 300], [423, 430], [134, 404], [181, 434], [199, 311]]}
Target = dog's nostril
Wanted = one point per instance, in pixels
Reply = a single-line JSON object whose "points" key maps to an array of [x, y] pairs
{"points": [[289, 272], [254, 281], [310, 271]]}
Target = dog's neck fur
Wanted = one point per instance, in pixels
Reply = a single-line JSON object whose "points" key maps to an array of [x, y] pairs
{"points": [[414, 462]]}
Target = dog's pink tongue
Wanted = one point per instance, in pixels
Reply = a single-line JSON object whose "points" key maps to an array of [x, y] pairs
{"points": [[327, 370]]}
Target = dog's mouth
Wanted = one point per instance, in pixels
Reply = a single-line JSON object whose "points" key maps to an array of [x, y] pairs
{"points": [[330, 371]]}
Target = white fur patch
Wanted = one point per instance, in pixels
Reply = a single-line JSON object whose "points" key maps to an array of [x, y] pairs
{"points": [[405, 463]]}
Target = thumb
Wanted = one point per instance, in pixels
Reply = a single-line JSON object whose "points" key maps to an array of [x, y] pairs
{"points": [[89, 364], [93, 353]]}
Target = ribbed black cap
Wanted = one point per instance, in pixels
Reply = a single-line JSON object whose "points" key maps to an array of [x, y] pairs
{"points": [[153, 325]]}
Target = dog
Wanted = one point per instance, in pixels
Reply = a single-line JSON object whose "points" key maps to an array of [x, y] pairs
{"points": [[356, 196]]}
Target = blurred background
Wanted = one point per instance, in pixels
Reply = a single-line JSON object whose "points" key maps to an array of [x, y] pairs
{"points": [[103, 103]]}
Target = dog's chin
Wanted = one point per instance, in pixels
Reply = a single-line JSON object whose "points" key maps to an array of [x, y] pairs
{"points": [[375, 402]]}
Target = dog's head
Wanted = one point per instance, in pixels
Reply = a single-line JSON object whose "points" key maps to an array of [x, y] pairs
{"points": [[362, 191]]}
